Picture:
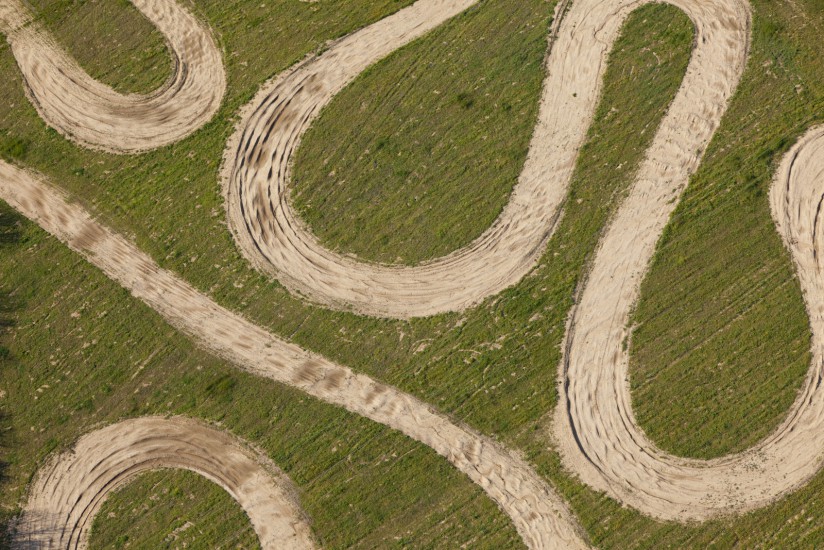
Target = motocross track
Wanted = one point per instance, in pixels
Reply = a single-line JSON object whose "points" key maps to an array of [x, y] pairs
{"points": [[598, 436], [96, 116], [70, 490], [258, 159], [538, 513], [257, 173], [605, 446]]}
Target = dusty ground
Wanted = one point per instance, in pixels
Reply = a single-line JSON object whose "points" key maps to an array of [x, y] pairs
{"points": [[538, 513], [69, 491], [595, 427], [93, 114], [257, 176], [599, 436], [612, 452]]}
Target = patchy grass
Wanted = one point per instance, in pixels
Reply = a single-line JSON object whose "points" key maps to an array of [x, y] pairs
{"points": [[124, 50], [722, 339], [83, 352], [420, 154], [493, 367], [171, 509]]}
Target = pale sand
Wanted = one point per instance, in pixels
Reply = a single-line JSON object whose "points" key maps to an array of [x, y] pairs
{"points": [[70, 489], [613, 453], [597, 433], [538, 513], [257, 175], [601, 440], [96, 116], [258, 159]]}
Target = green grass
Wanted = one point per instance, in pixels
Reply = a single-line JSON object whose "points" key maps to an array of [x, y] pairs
{"points": [[419, 156], [117, 28], [172, 509], [722, 338], [82, 353], [493, 367]]}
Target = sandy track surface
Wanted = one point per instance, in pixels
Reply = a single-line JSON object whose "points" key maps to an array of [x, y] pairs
{"points": [[600, 438], [71, 488], [625, 463], [257, 175], [93, 114], [538, 513]]}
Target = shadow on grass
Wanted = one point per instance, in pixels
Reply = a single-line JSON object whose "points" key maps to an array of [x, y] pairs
{"points": [[10, 226], [11, 234]]}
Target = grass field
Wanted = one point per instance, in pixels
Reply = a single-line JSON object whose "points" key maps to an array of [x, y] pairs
{"points": [[721, 311], [430, 162], [165, 498], [82, 352]]}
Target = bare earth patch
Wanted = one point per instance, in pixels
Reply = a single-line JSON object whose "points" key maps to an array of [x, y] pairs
{"points": [[70, 489], [96, 116]]}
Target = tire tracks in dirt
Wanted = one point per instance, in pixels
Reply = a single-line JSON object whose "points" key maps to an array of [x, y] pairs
{"points": [[538, 513], [70, 489], [598, 436], [604, 443], [91, 113], [256, 179]]}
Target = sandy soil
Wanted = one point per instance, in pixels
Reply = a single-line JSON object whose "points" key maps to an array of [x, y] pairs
{"points": [[257, 175], [612, 452], [599, 435], [72, 487], [93, 114], [596, 431], [538, 513]]}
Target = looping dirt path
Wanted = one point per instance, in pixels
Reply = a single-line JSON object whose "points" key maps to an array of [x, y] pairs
{"points": [[70, 490], [600, 438], [257, 175], [96, 116], [537, 512], [612, 453]]}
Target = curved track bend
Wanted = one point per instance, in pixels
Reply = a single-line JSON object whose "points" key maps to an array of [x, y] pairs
{"points": [[597, 432], [538, 513], [72, 487], [257, 170], [604, 444], [94, 115]]}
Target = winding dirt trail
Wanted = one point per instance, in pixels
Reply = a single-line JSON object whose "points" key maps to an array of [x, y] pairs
{"points": [[96, 116], [605, 446], [257, 175], [70, 489], [597, 433], [538, 513], [258, 159]]}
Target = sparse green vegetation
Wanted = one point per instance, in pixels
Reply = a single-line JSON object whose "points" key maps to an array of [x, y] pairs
{"points": [[419, 156], [120, 32], [172, 509], [493, 367], [722, 339]]}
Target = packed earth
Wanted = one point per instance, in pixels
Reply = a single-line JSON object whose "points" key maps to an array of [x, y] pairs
{"points": [[594, 427]]}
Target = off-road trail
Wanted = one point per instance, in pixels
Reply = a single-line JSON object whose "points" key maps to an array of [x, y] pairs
{"points": [[70, 490], [538, 513], [596, 430], [96, 116], [258, 159], [257, 173], [601, 440]]}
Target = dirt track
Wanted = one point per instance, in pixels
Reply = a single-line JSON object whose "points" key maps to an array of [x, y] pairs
{"points": [[626, 464], [257, 168], [93, 114], [538, 513], [70, 490], [595, 427]]}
